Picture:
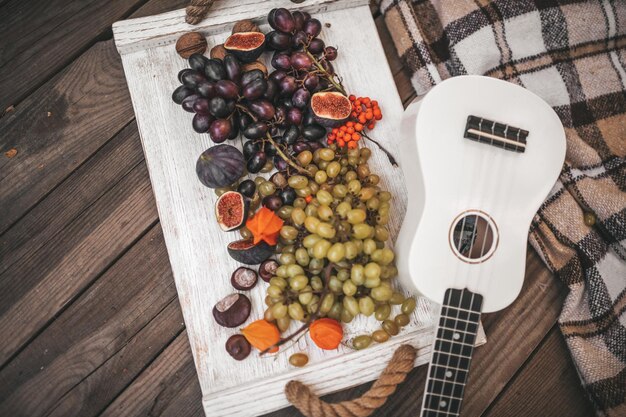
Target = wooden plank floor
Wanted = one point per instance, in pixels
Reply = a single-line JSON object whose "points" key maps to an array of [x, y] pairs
{"points": [[89, 320]]}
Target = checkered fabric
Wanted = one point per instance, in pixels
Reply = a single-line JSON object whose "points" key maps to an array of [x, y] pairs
{"points": [[573, 55]]}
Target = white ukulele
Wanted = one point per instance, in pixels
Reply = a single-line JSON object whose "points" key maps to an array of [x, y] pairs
{"points": [[480, 155]]}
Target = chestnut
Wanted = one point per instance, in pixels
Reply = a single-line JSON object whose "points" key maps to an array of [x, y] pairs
{"points": [[238, 347], [243, 278], [267, 269], [232, 310]]}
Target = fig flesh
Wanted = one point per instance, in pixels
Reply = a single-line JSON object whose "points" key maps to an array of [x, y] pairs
{"points": [[246, 46], [330, 108], [231, 211]]}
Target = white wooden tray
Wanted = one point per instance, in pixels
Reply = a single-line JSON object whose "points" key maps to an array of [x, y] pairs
{"points": [[196, 245]]}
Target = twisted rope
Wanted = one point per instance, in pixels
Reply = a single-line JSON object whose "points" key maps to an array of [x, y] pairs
{"points": [[197, 10], [311, 405]]}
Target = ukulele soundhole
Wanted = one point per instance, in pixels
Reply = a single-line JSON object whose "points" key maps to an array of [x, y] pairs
{"points": [[473, 236]]}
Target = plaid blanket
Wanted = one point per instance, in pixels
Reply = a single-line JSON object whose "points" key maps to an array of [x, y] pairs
{"points": [[573, 55]]}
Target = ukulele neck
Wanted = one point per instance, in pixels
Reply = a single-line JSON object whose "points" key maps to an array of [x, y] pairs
{"points": [[452, 353]]}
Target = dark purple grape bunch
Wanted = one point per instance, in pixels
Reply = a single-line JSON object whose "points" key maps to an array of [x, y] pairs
{"points": [[210, 90], [271, 112]]}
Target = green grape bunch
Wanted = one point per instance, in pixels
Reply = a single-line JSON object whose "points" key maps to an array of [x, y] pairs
{"points": [[338, 219]]}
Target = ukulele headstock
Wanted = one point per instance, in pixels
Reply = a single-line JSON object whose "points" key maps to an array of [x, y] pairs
{"points": [[480, 155]]}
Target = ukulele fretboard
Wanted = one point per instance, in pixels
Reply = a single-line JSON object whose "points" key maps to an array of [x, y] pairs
{"points": [[496, 134], [452, 353]]}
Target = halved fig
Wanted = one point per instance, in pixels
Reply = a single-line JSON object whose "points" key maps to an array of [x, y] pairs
{"points": [[247, 46], [231, 210], [330, 108], [246, 252]]}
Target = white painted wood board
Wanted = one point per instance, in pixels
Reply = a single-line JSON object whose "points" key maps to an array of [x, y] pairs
{"points": [[195, 244]]}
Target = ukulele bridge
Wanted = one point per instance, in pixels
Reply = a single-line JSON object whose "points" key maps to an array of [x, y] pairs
{"points": [[496, 134]]}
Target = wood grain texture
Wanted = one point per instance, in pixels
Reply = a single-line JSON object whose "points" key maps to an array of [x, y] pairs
{"points": [[71, 261], [59, 127], [116, 327], [72, 196], [59, 31], [547, 385], [172, 146], [121, 369]]}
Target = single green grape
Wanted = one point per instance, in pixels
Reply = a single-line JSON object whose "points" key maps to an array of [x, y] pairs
{"points": [[366, 305], [362, 342]]}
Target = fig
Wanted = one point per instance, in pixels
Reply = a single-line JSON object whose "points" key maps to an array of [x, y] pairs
{"points": [[238, 347], [246, 46], [246, 252], [243, 278], [232, 310], [267, 269], [231, 211], [220, 166], [330, 108]]}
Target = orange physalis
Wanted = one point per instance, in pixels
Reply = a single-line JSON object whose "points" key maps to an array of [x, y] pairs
{"points": [[264, 225], [326, 333], [262, 335], [365, 113]]}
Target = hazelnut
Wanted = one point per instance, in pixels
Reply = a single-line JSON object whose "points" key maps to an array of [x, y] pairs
{"points": [[243, 278], [254, 65], [191, 43], [245, 26], [238, 347], [232, 310], [218, 52], [267, 269]]}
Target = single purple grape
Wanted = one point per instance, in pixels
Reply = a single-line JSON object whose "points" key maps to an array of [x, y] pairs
{"points": [[301, 61], [330, 53], [316, 46], [313, 27], [287, 86], [201, 122], [281, 60], [301, 98], [219, 130], [294, 116], [311, 82], [201, 106], [283, 21], [188, 103]]}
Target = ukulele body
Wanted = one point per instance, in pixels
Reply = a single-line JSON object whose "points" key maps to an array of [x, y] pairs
{"points": [[470, 203]]}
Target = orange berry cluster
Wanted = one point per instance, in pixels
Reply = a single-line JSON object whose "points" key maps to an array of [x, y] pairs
{"points": [[365, 113]]}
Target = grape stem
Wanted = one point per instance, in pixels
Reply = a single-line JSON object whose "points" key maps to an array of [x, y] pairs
{"points": [[245, 110], [330, 77], [392, 160], [286, 158], [312, 317]]}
